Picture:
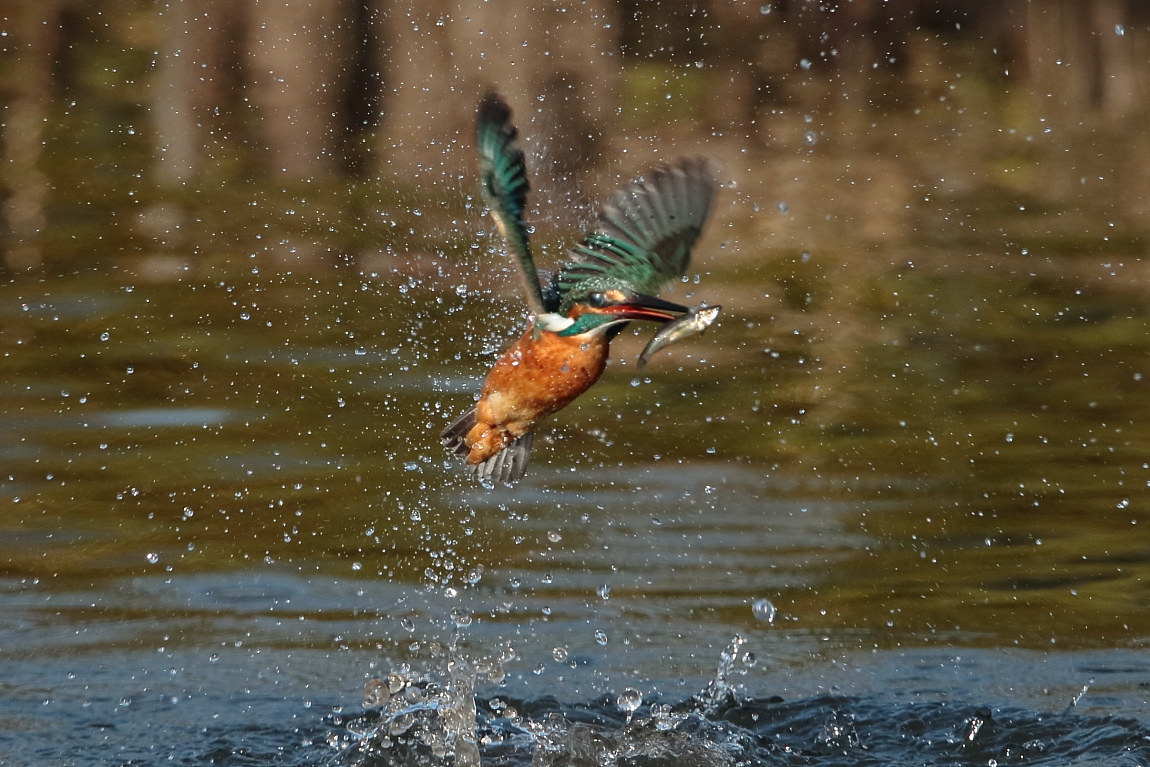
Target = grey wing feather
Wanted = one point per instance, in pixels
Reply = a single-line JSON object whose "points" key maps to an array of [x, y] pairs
{"points": [[507, 466], [452, 436]]}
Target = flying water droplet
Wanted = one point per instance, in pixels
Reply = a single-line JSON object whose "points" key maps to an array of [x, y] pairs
{"points": [[629, 700], [375, 693], [395, 682], [764, 611]]}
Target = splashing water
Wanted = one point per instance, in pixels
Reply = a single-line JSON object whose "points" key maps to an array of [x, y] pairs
{"points": [[436, 719], [418, 719], [719, 693]]}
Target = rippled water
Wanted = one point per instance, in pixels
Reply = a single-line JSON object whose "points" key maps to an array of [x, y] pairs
{"points": [[227, 511]]}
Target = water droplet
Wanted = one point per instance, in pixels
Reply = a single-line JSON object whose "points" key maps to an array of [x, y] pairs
{"points": [[1119, 30], [400, 724], [810, 138], [559, 654], [375, 693], [152, 557], [604, 591], [764, 611], [629, 700], [601, 637], [460, 617]]}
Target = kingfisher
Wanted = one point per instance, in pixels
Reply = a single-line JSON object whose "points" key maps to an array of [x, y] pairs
{"points": [[641, 240]]}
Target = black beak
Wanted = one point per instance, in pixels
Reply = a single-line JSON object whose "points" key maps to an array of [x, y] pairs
{"points": [[639, 306]]}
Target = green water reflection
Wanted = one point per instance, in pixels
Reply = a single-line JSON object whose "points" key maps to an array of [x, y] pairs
{"points": [[924, 455]]}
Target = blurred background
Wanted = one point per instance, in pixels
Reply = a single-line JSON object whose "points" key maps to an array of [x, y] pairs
{"points": [[245, 279], [155, 125]]}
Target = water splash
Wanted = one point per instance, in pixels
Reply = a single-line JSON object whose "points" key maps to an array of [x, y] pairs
{"points": [[719, 693], [764, 610], [419, 719]]}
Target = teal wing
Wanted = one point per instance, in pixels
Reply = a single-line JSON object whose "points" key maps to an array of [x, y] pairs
{"points": [[503, 178], [644, 233]]}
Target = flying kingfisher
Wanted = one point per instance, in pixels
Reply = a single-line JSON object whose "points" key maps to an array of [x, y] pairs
{"points": [[641, 241]]}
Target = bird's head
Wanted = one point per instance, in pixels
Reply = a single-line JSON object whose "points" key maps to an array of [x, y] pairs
{"points": [[601, 305]]}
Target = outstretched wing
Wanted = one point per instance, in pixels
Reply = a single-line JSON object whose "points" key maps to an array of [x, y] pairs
{"points": [[645, 231], [503, 178]]}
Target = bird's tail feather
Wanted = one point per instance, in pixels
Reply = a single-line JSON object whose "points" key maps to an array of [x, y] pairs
{"points": [[507, 466], [452, 436]]}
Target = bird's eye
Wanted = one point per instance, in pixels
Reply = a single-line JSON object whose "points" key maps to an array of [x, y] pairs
{"points": [[598, 300]]}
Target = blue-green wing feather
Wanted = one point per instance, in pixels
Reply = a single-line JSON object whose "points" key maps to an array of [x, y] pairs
{"points": [[644, 233], [503, 180]]}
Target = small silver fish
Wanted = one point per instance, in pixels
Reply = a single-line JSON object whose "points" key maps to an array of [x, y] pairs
{"points": [[698, 319]]}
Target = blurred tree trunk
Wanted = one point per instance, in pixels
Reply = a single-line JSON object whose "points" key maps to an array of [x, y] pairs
{"points": [[191, 96], [194, 79], [27, 89], [560, 58], [298, 57], [1080, 61]]}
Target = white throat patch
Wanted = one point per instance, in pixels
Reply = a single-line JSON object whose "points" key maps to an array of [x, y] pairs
{"points": [[552, 322]]}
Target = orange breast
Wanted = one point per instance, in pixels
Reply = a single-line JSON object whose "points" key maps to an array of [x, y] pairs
{"points": [[538, 377], [531, 380]]}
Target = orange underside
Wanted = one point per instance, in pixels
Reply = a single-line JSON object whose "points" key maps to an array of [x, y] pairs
{"points": [[530, 381]]}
